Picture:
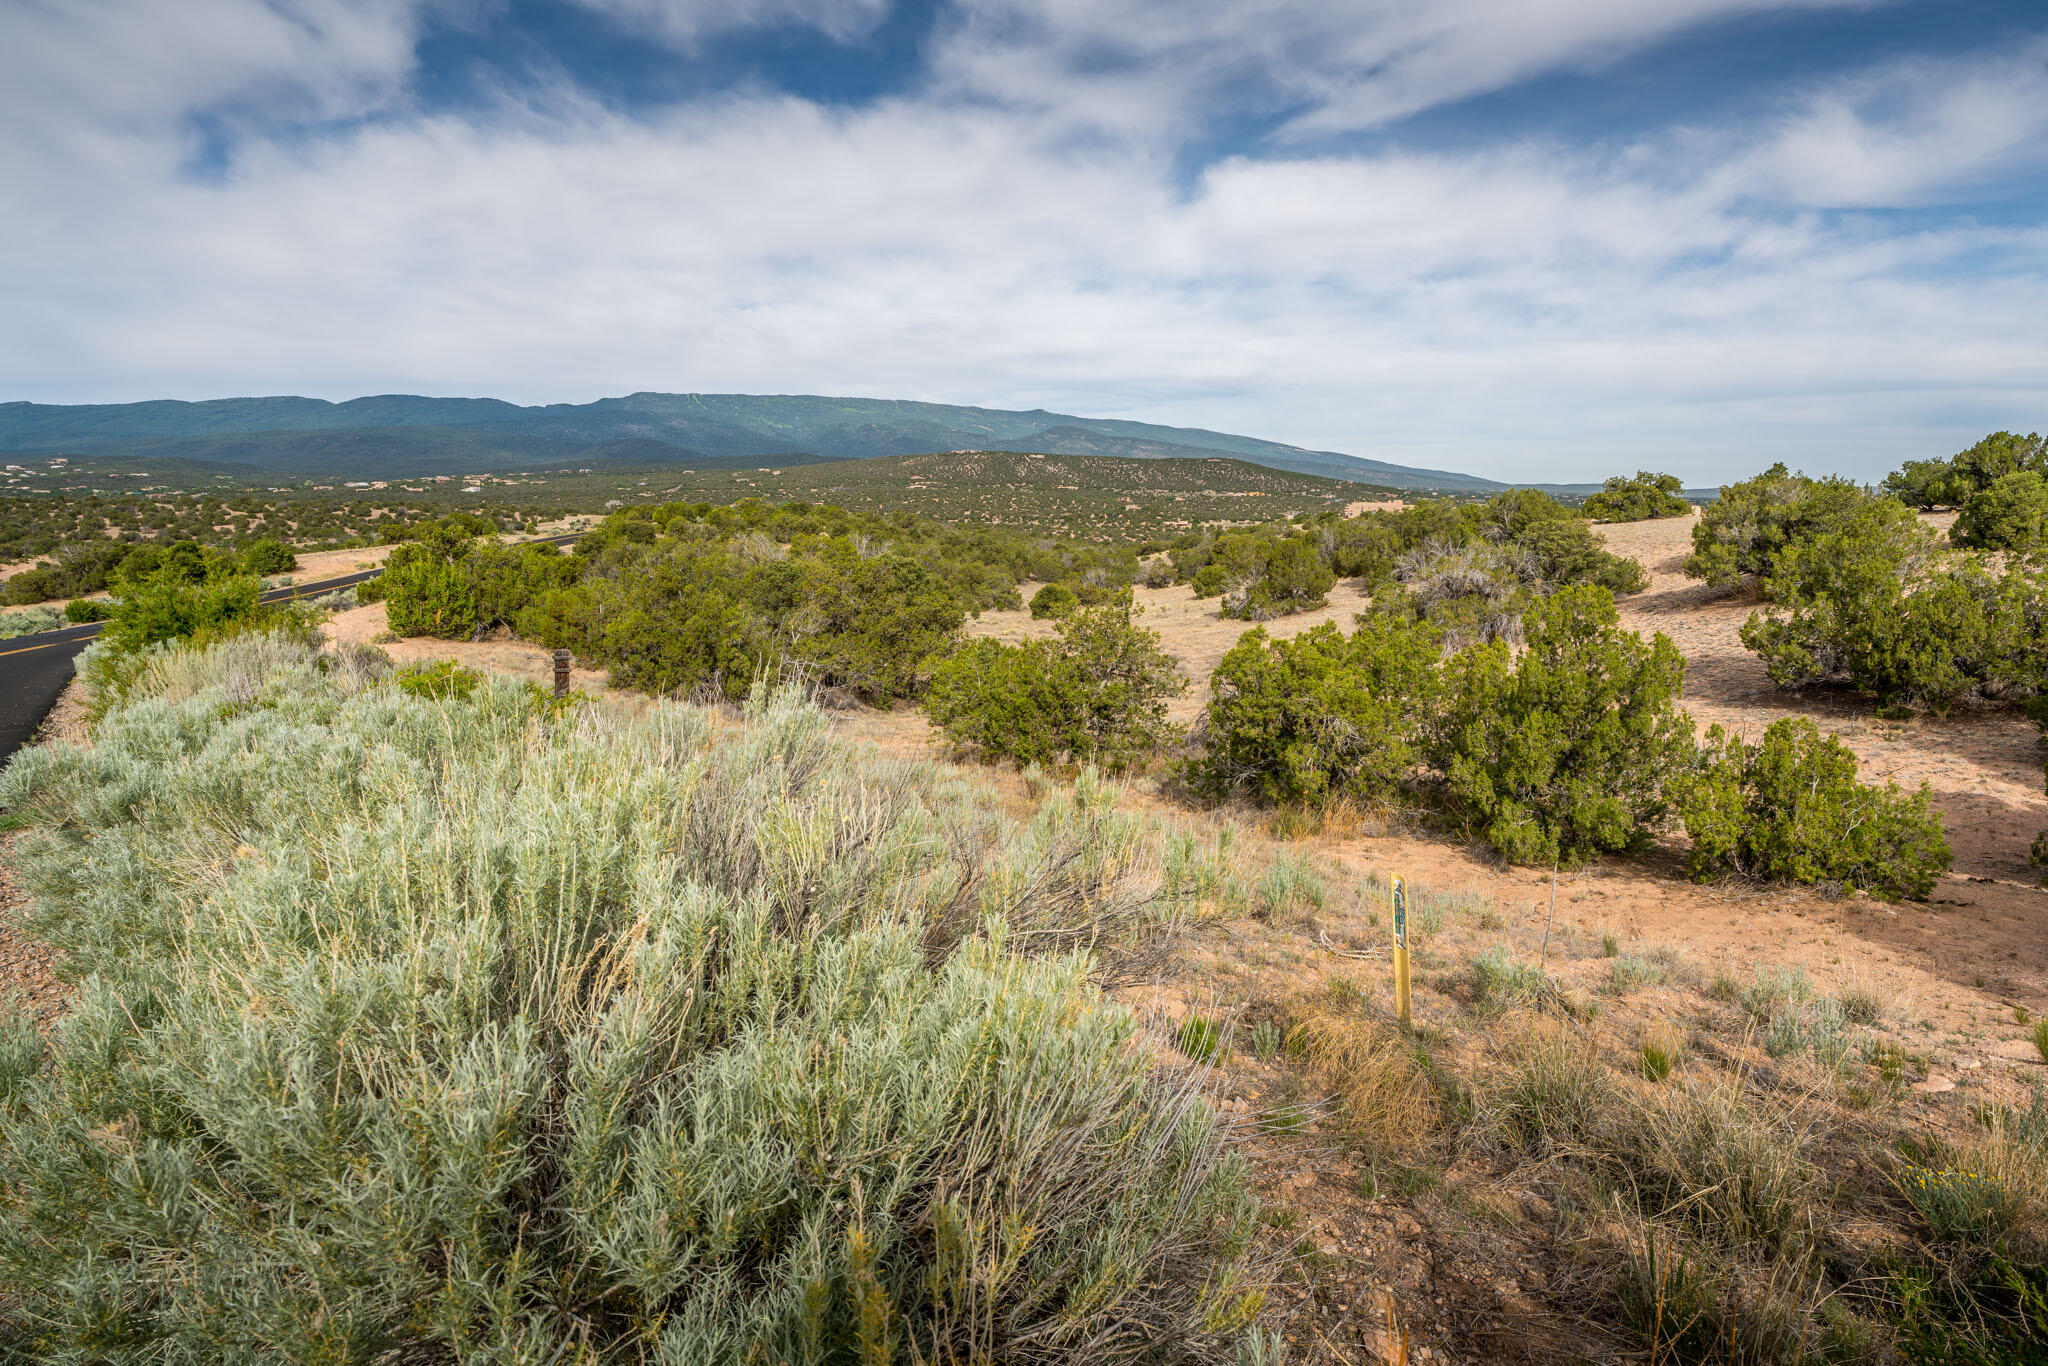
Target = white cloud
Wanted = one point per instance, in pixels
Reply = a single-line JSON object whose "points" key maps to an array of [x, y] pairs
{"points": [[1518, 309], [688, 21], [1350, 65], [1894, 136]]}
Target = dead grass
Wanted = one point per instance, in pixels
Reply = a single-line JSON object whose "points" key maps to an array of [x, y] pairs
{"points": [[1385, 1099]]}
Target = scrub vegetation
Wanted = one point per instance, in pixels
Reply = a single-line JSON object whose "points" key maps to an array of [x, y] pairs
{"points": [[483, 1026], [418, 1014], [1646, 495], [79, 544]]}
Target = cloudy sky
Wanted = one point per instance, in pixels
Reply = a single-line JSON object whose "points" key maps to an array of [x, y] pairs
{"points": [[1524, 238]]}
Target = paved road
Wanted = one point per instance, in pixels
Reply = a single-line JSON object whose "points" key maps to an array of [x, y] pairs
{"points": [[35, 669]]}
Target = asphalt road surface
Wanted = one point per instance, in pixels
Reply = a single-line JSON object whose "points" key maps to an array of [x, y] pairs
{"points": [[35, 669]]}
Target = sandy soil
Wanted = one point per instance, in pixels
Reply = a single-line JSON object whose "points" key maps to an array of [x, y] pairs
{"points": [[331, 564]]}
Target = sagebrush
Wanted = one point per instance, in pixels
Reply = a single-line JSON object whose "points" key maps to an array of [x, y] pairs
{"points": [[432, 1027]]}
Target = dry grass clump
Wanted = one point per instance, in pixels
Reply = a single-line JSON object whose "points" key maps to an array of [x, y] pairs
{"points": [[1710, 1200], [1549, 1092], [1697, 1150], [476, 1028], [1629, 972], [1703, 1152], [1385, 1096], [1862, 999]]}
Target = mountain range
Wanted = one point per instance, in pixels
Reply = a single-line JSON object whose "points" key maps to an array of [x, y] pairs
{"points": [[395, 435]]}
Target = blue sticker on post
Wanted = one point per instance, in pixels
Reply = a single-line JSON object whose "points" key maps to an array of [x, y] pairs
{"points": [[1401, 912]]}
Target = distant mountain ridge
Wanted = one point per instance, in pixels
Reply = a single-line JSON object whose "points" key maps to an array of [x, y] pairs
{"points": [[403, 434]]}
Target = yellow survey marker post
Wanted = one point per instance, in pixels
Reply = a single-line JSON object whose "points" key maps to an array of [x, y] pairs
{"points": [[1398, 888]]}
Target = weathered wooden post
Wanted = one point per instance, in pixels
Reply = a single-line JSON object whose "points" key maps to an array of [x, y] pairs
{"points": [[561, 673]]}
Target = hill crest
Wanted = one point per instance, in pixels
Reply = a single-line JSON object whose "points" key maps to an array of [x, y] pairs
{"points": [[392, 434]]}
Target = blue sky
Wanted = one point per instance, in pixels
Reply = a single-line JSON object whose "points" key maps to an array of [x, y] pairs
{"points": [[1525, 238]]}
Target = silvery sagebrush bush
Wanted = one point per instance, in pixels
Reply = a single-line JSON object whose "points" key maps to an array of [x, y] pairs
{"points": [[486, 1029]]}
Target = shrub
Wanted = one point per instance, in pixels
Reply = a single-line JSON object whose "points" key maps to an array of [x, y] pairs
{"points": [[269, 556], [75, 570], [29, 621], [425, 589], [1096, 693], [87, 609], [1053, 601], [1291, 884], [1791, 809], [1567, 552], [1320, 716], [1565, 751], [1741, 533], [1364, 547], [877, 626], [1293, 578], [1958, 1206], [1210, 580], [1867, 604], [1772, 991], [1953, 481], [1556, 542], [1470, 592], [1647, 495], [441, 681], [2010, 514], [433, 1031], [180, 561], [170, 606]]}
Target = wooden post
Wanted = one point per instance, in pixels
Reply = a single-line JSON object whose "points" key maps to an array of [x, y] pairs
{"points": [[561, 673], [1398, 887]]}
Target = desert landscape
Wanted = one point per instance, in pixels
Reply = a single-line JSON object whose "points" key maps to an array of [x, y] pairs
{"points": [[1462, 1256], [1956, 965], [1257, 684]]}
